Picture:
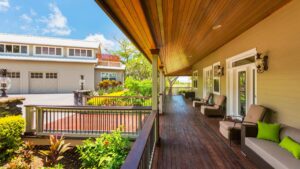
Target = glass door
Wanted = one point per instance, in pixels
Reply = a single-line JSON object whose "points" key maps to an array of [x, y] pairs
{"points": [[242, 92]]}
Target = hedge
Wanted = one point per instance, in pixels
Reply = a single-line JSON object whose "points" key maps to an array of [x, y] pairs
{"points": [[11, 128]]}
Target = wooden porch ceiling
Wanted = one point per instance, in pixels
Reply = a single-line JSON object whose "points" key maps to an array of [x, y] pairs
{"points": [[185, 31]]}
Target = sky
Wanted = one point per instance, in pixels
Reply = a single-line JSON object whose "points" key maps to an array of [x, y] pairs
{"points": [[74, 19]]}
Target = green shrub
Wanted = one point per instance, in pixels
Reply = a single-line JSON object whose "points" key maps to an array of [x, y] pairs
{"points": [[107, 151], [11, 128], [138, 88]]}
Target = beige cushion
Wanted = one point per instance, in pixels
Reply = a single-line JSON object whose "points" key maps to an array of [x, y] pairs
{"points": [[226, 126], [272, 153], [229, 125], [291, 132], [207, 107], [219, 100], [255, 113]]}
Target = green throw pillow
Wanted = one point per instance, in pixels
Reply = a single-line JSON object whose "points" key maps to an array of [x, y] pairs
{"points": [[291, 146], [268, 131]]}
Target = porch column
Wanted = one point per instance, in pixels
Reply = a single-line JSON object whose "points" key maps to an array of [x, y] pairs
{"points": [[155, 53], [161, 90]]}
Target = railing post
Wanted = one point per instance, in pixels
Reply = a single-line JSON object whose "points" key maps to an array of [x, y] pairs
{"points": [[39, 120], [140, 121], [29, 116]]}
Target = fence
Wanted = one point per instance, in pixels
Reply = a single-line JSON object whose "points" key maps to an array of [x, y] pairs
{"points": [[142, 152], [83, 121], [177, 90]]}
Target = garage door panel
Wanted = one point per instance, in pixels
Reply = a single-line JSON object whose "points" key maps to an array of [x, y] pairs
{"points": [[15, 82], [43, 82]]}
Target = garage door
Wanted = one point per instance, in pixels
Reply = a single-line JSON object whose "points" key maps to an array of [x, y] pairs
{"points": [[43, 82], [15, 82]]}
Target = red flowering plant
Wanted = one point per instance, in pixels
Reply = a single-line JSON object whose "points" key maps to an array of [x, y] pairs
{"points": [[107, 151]]}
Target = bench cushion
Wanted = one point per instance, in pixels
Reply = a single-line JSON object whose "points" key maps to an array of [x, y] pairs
{"points": [[272, 153]]}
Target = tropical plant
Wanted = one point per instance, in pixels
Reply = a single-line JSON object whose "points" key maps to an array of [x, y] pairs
{"points": [[58, 147], [108, 151], [23, 158], [11, 128]]}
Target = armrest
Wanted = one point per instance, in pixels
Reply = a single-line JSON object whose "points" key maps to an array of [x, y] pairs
{"points": [[248, 130]]}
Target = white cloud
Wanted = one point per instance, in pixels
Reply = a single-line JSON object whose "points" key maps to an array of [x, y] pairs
{"points": [[4, 5], [32, 12], [56, 22], [26, 18], [106, 44]]}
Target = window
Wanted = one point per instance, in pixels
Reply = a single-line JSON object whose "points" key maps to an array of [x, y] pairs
{"points": [[58, 51], [51, 75], [80, 52], [50, 51], [195, 79], [8, 48], [109, 76], [207, 81], [45, 50], [36, 75], [89, 53], [216, 79], [1, 48], [38, 50], [16, 49], [77, 52], [14, 75], [24, 49]]}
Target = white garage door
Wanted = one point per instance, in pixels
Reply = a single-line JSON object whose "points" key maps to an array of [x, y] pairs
{"points": [[15, 82], [43, 82]]}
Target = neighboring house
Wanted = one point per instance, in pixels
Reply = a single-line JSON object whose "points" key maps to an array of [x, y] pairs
{"points": [[109, 67], [50, 65]]}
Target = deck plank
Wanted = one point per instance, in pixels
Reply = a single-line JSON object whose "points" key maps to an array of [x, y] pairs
{"points": [[190, 140]]}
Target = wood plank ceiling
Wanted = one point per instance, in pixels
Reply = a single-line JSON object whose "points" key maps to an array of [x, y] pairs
{"points": [[183, 30]]}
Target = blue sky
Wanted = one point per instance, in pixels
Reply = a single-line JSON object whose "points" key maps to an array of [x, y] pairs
{"points": [[76, 19]]}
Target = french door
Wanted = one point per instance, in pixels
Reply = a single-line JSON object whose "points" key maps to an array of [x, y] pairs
{"points": [[241, 84]]}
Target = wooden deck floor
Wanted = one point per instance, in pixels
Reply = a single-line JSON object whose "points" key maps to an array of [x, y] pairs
{"points": [[188, 141]]}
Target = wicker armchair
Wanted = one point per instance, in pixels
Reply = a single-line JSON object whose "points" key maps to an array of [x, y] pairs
{"points": [[231, 128], [215, 110]]}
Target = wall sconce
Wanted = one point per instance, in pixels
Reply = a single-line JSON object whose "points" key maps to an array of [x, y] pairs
{"points": [[220, 70], [261, 63], [5, 82]]}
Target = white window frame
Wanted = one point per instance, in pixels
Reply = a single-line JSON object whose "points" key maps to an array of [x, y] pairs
{"points": [[68, 53], [35, 54], [14, 44], [216, 78], [208, 68], [195, 78]]}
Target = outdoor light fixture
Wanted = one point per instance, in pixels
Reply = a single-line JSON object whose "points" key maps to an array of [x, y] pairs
{"points": [[220, 70], [81, 82], [261, 63], [5, 82]]}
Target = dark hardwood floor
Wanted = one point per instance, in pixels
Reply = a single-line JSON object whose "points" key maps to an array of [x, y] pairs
{"points": [[188, 141]]}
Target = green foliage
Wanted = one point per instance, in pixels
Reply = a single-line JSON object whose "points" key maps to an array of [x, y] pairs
{"points": [[109, 151], [23, 158], [58, 147], [139, 67], [11, 128], [138, 88]]}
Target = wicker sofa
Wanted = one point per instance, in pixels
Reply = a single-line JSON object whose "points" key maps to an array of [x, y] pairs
{"points": [[268, 154]]}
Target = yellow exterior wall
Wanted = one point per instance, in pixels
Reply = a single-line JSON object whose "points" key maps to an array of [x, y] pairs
{"points": [[279, 87]]}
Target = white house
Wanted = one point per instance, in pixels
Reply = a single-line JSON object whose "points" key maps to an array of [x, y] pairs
{"points": [[53, 65]]}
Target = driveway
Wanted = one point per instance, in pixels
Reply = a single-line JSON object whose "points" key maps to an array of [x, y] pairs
{"points": [[47, 99]]}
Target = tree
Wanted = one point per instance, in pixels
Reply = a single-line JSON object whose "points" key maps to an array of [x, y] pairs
{"points": [[137, 66], [171, 81]]}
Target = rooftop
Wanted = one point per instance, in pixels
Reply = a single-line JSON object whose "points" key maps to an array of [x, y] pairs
{"points": [[49, 41]]}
